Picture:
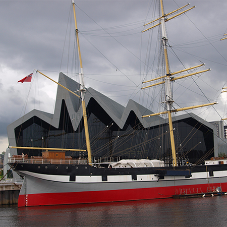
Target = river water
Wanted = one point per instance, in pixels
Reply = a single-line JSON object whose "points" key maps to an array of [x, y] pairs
{"points": [[209, 211]]}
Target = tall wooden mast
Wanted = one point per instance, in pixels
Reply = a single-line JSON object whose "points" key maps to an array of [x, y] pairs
{"points": [[168, 77], [82, 96], [168, 91], [82, 89]]}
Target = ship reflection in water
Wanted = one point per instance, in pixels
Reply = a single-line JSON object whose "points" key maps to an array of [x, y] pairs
{"points": [[163, 212]]}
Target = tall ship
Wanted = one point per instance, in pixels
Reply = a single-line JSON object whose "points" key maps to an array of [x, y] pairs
{"points": [[54, 177]]}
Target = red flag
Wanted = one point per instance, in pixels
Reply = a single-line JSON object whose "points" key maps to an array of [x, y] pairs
{"points": [[26, 79]]}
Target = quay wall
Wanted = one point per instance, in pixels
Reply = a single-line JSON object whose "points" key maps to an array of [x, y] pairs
{"points": [[9, 193]]}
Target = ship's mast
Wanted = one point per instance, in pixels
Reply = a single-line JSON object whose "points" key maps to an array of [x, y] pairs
{"points": [[168, 78], [82, 96], [168, 91], [82, 89]]}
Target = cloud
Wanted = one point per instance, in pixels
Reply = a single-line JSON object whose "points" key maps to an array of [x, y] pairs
{"points": [[3, 143]]}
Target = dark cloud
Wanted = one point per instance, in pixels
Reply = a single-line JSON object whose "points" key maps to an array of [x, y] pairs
{"points": [[3, 128]]}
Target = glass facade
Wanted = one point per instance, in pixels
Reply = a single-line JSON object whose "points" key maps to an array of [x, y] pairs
{"points": [[193, 140]]}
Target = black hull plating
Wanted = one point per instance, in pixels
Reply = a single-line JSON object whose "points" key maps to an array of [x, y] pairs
{"points": [[86, 170]]}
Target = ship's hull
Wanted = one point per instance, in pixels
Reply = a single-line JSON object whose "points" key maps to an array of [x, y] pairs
{"points": [[94, 185]]}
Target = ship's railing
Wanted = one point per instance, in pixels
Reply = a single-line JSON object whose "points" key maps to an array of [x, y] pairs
{"points": [[48, 161], [68, 160]]}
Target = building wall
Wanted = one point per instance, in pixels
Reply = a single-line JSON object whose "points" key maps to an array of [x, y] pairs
{"points": [[1, 160], [193, 139]]}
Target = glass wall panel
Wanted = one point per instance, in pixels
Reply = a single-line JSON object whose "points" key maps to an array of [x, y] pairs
{"points": [[193, 140]]}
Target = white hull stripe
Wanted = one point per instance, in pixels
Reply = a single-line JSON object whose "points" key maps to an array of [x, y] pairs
{"points": [[121, 178]]}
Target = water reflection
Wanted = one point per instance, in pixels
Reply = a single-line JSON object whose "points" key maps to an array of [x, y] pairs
{"points": [[167, 212]]}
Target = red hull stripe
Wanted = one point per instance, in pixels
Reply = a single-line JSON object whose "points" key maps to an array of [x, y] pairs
{"points": [[114, 195]]}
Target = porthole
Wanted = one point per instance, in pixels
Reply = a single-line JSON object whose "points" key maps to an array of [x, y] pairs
{"points": [[46, 167], [56, 167], [66, 167], [38, 167]]}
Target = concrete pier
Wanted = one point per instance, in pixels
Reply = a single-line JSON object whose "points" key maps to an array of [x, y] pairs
{"points": [[9, 192]]}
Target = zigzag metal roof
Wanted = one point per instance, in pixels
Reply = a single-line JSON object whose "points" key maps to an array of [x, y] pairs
{"points": [[118, 113]]}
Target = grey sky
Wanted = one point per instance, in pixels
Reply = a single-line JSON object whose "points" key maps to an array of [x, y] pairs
{"points": [[38, 35]]}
